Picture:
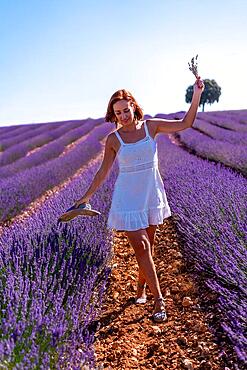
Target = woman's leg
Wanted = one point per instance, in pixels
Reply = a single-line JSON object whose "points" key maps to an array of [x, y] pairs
{"points": [[141, 279], [140, 242]]}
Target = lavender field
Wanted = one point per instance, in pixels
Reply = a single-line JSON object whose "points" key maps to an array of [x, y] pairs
{"points": [[218, 137], [53, 277]]}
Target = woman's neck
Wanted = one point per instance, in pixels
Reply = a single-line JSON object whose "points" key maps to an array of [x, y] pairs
{"points": [[131, 127]]}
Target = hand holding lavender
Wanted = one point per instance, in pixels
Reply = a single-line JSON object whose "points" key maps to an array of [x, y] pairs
{"points": [[193, 67]]}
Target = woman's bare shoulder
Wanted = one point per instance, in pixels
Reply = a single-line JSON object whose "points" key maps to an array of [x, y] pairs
{"points": [[113, 141], [151, 127]]}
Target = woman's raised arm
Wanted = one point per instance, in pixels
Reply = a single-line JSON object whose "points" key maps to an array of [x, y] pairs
{"points": [[169, 125]]}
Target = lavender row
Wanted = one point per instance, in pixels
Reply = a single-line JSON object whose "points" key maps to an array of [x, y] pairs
{"points": [[218, 132], [234, 122], [26, 134], [13, 131], [4, 141], [52, 281], [30, 141], [209, 202], [15, 147], [227, 122], [59, 139], [18, 191], [239, 115], [232, 155]]}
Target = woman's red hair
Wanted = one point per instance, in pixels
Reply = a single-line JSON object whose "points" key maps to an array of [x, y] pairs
{"points": [[122, 95]]}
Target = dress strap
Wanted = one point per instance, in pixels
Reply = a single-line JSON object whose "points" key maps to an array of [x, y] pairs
{"points": [[146, 128], [119, 137]]}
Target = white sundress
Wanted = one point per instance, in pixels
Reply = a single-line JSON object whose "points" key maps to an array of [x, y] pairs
{"points": [[139, 198]]}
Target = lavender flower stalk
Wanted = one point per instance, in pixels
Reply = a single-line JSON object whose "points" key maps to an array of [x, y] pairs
{"points": [[193, 67]]}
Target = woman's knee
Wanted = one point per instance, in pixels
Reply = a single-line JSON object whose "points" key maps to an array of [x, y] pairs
{"points": [[151, 230], [140, 242]]}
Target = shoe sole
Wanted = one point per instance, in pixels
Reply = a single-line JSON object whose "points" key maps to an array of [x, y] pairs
{"points": [[74, 213]]}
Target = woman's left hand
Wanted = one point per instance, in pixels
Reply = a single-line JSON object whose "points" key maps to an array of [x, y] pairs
{"points": [[199, 85]]}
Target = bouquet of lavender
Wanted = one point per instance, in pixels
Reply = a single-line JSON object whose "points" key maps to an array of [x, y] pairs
{"points": [[193, 67]]}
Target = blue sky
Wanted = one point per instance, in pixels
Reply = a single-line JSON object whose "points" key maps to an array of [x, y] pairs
{"points": [[63, 59]]}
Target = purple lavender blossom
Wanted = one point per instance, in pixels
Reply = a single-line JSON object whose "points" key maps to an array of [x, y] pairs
{"points": [[53, 278], [54, 281], [52, 148], [18, 191], [209, 201]]}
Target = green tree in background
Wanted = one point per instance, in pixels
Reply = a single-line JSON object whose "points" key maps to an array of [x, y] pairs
{"points": [[210, 94]]}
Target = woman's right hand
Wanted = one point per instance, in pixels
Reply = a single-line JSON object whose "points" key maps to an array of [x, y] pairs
{"points": [[81, 201]]}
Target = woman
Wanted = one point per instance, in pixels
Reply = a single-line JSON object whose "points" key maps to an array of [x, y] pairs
{"points": [[139, 200]]}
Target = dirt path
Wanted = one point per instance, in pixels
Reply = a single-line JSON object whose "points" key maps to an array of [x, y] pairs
{"points": [[127, 338]]}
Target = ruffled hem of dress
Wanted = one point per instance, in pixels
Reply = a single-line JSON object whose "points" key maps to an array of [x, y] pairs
{"points": [[135, 220]]}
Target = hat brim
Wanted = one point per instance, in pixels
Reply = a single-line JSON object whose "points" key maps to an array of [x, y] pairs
{"points": [[69, 215]]}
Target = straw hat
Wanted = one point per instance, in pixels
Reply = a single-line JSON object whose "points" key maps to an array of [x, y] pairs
{"points": [[83, 209]]}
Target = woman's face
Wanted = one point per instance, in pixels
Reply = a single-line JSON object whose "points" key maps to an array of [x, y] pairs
{"points": [[124, 111]]}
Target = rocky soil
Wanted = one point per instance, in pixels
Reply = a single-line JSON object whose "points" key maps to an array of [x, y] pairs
{"points": [[127, 338]]}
